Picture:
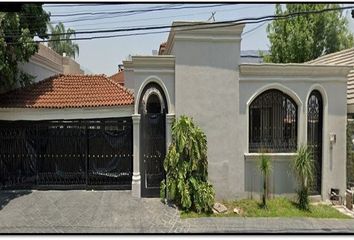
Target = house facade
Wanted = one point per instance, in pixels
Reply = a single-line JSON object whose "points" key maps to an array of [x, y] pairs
{"points": [[244, 109], [46, 63]]}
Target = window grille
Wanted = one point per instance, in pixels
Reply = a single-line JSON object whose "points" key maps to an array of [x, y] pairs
{"points": [[273, 123]]}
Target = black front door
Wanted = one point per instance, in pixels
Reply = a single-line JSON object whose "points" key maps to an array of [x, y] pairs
{"points": [[153, 153], [314, 137], [152, 108]]}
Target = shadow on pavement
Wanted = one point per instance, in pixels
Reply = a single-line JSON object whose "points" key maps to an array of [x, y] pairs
{"points": [[7, 196]]}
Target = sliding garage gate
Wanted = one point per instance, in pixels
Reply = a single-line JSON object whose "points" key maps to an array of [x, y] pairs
{"points": [[75, 154]]}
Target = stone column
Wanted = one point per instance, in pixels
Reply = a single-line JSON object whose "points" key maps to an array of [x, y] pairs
{"points": [[169, 120], [136, 183]]}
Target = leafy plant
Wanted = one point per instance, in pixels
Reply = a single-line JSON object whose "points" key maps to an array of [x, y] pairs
{"points": [[350, 154], [265, 167], [17, 30], [304, 167], [186, 168], [303, 38], [61, 41]]}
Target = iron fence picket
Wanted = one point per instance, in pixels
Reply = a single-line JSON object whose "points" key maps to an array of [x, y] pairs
{"points": [[57, 153]]}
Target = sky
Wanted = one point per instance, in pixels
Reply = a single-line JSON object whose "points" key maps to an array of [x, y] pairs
{"points": [[103, 55]]}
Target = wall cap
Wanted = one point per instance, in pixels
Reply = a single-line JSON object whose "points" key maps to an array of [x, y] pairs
{"points": [[294, 70], [184, 30], [150, 62], [274, 156]]}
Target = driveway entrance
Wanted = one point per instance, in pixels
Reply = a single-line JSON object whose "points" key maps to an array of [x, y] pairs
{"points": [[66, 154], [118, 212]]}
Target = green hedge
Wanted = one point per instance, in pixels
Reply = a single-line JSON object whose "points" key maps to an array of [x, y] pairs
{"points": [[350, 153]]}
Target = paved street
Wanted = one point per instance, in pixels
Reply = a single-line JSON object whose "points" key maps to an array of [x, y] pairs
{"points": [[118, 212]]}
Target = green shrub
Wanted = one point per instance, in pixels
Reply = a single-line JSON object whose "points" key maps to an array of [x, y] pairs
{"points": [[303, 200], [350, 153], [304, 169], [265, 167], [186, 168]]}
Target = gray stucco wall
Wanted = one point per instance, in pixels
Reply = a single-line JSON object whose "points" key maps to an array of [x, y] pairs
{"points": [[206, 89], [282, 179], [137, 77], [334, 121], [207, 82]]}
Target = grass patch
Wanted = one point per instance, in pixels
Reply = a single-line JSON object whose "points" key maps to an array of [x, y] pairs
{"points": [[277, 207]]}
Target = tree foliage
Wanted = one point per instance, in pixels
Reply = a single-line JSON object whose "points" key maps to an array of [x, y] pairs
{"points": [[17, 30], [350, 153], [186, 168], [61, 42], [306, 37]]}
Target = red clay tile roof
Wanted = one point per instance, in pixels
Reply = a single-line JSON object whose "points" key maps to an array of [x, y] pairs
{"points": [[68, 91], [118, 77]]}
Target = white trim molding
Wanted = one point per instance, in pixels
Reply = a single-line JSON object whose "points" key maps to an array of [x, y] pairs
{"points": [[37, 114], [158, 81], [274, 156], [279, 87], [289, 92], [136, 179], [325, 134], [184, 30], [306, 71], [162, 62]]}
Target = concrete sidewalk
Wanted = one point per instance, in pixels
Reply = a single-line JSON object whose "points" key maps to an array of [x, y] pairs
{"points": [[117, 212]]}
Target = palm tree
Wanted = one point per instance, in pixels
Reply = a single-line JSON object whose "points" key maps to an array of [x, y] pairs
{"points": [[61, 41], [265, 167], [304, 165]]}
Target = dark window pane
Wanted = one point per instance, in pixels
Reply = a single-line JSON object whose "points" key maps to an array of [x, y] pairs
{"points": [[272, 123]]}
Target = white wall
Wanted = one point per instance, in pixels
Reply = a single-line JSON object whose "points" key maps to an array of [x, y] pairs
{"points": [[40, 72], [46, 62]]}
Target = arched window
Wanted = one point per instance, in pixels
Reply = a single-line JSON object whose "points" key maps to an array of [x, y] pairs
{"points": [[273, 123]]}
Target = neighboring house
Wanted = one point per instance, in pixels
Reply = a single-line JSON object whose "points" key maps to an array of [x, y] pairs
{"points": [[242, 107], [342, 58], [46, 62], [119, 76], [252, 56]]}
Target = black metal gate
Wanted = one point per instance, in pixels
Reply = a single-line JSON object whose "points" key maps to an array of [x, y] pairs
{"points": [[314, 137], [75, 154], [153, 152], [153, 108]]}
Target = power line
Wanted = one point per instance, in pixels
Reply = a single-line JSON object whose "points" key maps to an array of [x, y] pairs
{"points": [[153, 18], [104, 12], [206, 23], [135, 12], [173, 16], [80, 5], [253, 29], [197, 26], [161, 8]]}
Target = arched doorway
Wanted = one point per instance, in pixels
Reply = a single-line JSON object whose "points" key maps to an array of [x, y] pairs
{"points": [[314, 137], [153, 109]]}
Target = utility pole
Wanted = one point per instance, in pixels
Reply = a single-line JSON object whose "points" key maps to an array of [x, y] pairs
{"points": [[212, 17]]}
